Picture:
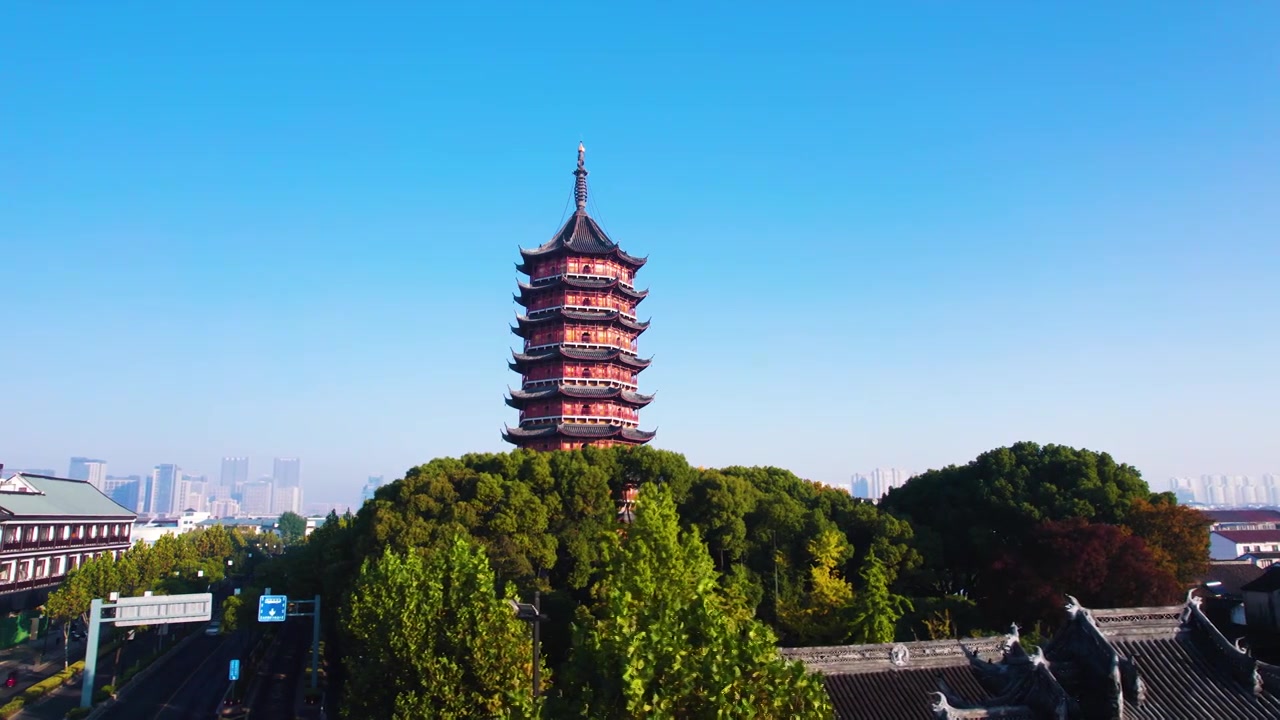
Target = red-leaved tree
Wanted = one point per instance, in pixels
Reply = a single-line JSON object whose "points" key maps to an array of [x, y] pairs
{"points": [[1102, 565]]}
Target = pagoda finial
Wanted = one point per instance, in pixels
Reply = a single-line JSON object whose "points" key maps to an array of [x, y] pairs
{"points": [[580, 185]]}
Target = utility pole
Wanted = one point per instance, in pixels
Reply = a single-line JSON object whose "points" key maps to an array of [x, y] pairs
{"points": [[537, 645], [315, 644]]}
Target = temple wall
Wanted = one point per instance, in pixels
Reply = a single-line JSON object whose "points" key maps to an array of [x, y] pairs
{"points": [[595, 299], [575, 333], [599, 408], [583, 370], [582, 265]]}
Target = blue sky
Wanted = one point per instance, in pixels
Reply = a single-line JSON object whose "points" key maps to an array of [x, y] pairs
{"points": [[893, 236]]}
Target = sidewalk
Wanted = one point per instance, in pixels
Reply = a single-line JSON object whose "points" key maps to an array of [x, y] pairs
{"points": [[34, 662], [55, 705]]}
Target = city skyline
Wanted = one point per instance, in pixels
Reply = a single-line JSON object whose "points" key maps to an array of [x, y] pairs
{"points": [[899, 237]]}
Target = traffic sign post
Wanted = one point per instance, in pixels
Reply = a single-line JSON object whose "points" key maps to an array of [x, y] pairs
{"points": [[148, 610], [272, 608]]}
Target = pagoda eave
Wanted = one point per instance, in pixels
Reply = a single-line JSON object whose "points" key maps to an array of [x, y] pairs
{"points": [[578, 431]]}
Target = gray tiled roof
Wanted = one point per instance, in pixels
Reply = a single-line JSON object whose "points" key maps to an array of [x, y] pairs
{"points": [[1173, 665], [60, 497], [1182, 681], [897, 694]]}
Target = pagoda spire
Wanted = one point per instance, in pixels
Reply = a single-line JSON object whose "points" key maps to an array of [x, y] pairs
{"points": [[580, 185]]}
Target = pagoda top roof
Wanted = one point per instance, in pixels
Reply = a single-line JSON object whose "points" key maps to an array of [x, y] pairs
{"points": [[579, 430], [581, 234], [589, 392]]}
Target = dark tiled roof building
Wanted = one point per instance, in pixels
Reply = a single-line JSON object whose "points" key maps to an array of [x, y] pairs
{"points": [[579, 368], [1160, 663]]}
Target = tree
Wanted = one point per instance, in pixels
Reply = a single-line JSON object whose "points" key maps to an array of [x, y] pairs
{"points": [[293, 527], [232, 609], [1103, 565], [427, 637], [664, 641], [1176, 535], [822, 616], [96, 578], [876, 610], [964, 516]]}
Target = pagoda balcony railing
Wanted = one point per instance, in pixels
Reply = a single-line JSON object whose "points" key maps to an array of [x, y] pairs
{"points": [[588, 345], [580, 381], [585, 419], [601, 309], [580, 276]]}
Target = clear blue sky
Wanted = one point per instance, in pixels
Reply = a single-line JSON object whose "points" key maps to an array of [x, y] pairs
{"points": [[877, 237]]}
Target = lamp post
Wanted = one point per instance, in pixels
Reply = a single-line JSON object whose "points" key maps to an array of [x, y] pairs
{"points": [[532, 614]]}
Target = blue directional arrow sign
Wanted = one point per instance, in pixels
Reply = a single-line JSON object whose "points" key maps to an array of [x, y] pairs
{"points": [[271, 608], [233, 673]]}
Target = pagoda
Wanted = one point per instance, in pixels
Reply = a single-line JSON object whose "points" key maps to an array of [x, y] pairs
{"points": [[579, 368]]}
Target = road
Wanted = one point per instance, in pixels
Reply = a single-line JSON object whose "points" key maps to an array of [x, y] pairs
{"points": [[281, 672], [188, 684]]}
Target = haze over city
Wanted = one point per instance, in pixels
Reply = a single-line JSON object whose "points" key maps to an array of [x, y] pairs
{"points": [[876, 240]]}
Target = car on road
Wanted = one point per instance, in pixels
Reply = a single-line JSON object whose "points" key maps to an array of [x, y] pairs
{"points": [[213, 628]]}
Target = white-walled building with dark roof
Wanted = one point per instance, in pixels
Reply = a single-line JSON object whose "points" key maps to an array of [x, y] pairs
{"points": [[48, 527]]}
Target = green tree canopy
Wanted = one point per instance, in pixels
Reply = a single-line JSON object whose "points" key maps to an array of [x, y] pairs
{"points": [[293, 527], [664, 640], [965, 515], [428, 637]]}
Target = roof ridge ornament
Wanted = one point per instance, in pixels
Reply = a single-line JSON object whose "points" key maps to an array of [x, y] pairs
{"points": [[580, 185]]}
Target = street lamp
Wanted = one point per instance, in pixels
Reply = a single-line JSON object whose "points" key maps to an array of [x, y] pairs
{"points": [[532, 614]]}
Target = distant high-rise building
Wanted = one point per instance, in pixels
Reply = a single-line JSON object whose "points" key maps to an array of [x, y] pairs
{"points": [[235, 472], [370, 487], [286, 479], [256, 498], [192, 494], [286, 473], [164, 490], [224, 508], [286, 499], [93, 471], [875, 484], [124, 490], [859, 487]]}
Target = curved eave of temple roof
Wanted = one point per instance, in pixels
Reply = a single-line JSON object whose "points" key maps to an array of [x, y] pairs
{"points": [[578, 431], [560, 352], [527, 291], [580, 235], [609, 317], [518, 398]]}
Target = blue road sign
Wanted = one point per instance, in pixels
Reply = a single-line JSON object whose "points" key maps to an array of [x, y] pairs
{"points": [[271, 608], [233, 673]]}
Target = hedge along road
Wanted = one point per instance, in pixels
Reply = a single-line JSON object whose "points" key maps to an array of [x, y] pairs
{"points": [[55, 705]]}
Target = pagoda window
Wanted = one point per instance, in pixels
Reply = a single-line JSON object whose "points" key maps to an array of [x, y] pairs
{"points": [[6, 572], [586, 269], [586, 409], [586, 337]]}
